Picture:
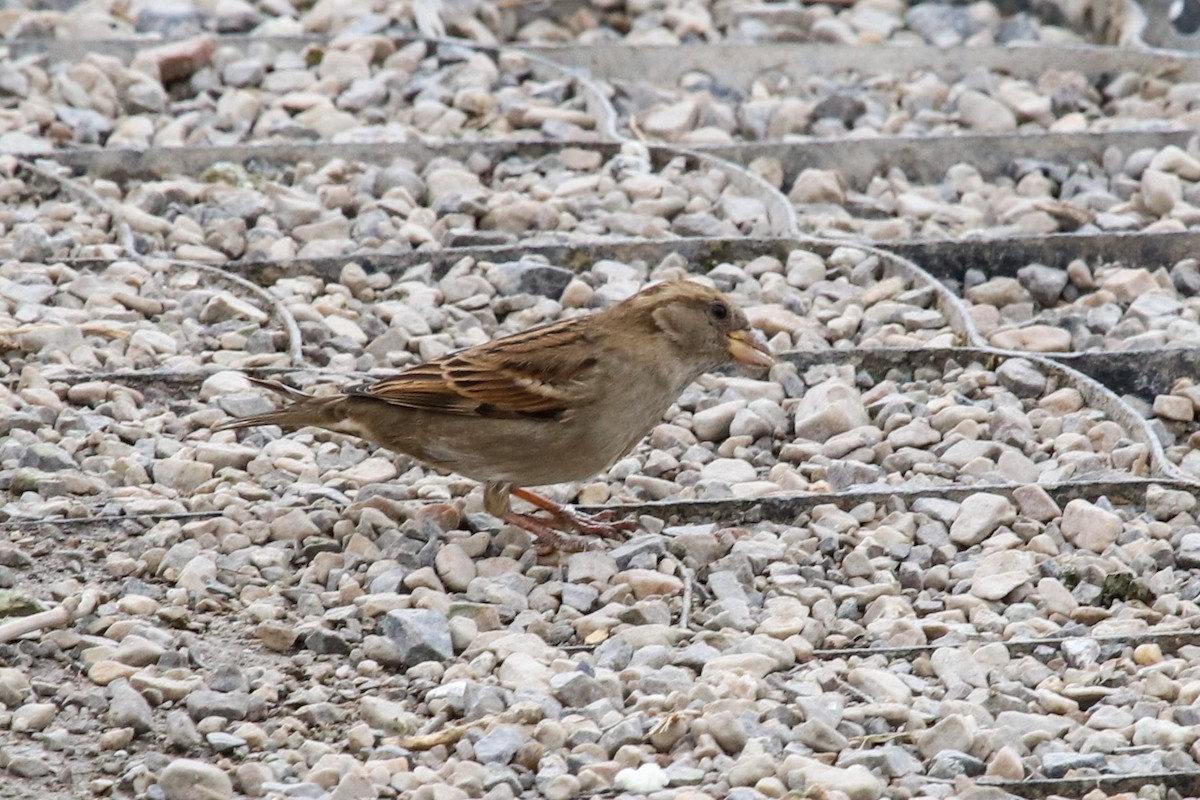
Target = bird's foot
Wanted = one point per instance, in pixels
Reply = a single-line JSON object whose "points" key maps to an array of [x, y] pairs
{"points": [[544, 537], [601, 524]]}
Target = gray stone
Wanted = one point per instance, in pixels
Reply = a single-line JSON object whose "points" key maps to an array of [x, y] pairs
{"points": [[181, 730], [725, 585], [1154, 305], [388, 715], [712, 424], [1081, 652], [843, 475], [1036, 503], [1046, 284], [648, 547], [128, 709], [579, 596], [1001, 572], [225, 306], [181, 475], [28, 767], [979, 516], [499, 745], [384, 651], [33, 717], [422, 635], [828, 708], [1188, 555], [1186, 277], [949, 764], [881, 685], [455, 567], [327, 642], [146, 96], [997, 292], [531, 277], [985, 114], [917, 433], [207, 703], [47, 457], [820, 737], [841, 106], [941, 24], [1023, 723], [838, 415], [1166, 503], [729, 470], [31, 243], [949, 734], [187, 779], [224, 742], [363, 93], [615, 653], [1021, 377], [576, 689], [170, 18], [1089, 526], [629, 730], [229, 678], [590, 566], [965, 451], [1057, 765], [13, 81], [890, 760], [304, 790], [1016, 29], [236, 17], [855, 782], [24, 143], [244, 72], [90, 126]]}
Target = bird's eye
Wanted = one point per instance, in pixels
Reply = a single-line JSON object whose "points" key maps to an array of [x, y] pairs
{"points": [[719, 310]]}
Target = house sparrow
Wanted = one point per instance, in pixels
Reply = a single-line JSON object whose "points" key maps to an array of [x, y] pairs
{"points": [[556, 403]]}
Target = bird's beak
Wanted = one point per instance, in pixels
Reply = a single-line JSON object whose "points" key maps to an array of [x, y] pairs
{"points": [[750, 347]]}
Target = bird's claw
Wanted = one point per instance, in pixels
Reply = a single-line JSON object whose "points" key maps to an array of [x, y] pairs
{"points": [[599, 524], [565, 517], [548, 537]]}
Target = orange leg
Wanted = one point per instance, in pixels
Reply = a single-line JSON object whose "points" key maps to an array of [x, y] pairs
{"points": [[592, 525]]}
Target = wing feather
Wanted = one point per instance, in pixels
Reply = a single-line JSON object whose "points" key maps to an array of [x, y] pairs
{"points": [[540, 373]]}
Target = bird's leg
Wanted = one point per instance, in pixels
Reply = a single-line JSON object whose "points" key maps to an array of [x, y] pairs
{"points": [[593, 525], [496, 502]]}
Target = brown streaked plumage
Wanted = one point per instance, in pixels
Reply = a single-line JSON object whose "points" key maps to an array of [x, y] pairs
{"points": [[556, 403]]}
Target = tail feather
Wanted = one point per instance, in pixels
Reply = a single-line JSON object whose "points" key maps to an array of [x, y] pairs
{"points": [[303, 410], [278, 388]]}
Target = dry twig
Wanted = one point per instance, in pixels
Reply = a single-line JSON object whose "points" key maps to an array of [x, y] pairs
{"points": [[70, 610]]}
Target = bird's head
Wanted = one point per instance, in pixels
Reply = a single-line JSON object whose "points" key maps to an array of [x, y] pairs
{"points": [[701, 324]]}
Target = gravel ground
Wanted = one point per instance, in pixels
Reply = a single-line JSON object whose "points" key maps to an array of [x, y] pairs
{"points": [[1112, 307], [1152, 190], [704, 110], [367, 90], [342, 207], [915, 559], [863, 23]]}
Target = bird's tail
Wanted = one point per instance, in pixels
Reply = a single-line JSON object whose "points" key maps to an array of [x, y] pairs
{"points": [[303, 410]]}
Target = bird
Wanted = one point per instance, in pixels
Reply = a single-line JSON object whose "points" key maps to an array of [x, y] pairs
{"points": [[556, 403]]}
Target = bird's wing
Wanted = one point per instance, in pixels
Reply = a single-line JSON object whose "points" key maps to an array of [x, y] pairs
{"points": [[542, 373]]}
